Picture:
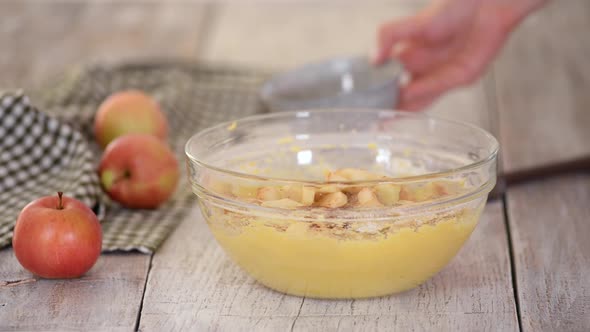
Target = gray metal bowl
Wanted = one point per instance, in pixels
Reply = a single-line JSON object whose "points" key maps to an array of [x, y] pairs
{"points": [[349, 82]]}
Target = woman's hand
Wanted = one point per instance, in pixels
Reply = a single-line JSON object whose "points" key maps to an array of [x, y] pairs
{"points": [[449, 44]]}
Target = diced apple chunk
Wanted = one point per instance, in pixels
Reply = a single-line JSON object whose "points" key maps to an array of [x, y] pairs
{"points": [[307, 196], [269, 194], [388, 194], [299, 193], [333, 200], [219, 187], [418, 192], [352, 174], [367, 198], [244, 191], [292, 192], [449, 187]]}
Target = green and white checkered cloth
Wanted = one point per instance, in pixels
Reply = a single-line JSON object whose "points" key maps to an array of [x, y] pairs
{"points": [[193, 96]]}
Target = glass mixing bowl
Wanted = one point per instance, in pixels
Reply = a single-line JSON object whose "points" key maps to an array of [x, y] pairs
{"points": [[342, 203]]}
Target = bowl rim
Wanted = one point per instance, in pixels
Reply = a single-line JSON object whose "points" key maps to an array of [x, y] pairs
{"points": [[266, 94], [494, 145]]}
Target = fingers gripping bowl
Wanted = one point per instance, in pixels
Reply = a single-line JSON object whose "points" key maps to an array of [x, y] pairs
{"points": [[342, 203]]}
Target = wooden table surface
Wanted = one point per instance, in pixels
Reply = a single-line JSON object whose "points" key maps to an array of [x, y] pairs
{"points": [[526, 267]]}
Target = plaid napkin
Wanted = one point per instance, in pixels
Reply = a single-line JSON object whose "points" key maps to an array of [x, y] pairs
{"points": [[55, 149], [38, 157]]}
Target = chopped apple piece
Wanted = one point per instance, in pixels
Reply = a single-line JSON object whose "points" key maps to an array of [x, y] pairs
{"points": [[388, 194], [299, 193], [244, 191], [367, 198], [219, 187], [328, 189], [449, 187], [418, 192], [333, 200], [293, 192], [352, 174], [352, 189], [269, 194], [307, 196]]}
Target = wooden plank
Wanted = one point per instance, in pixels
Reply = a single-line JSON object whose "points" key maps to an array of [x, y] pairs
{"points": [[16, 36], [281, 36], [542, 84], [45, 38], [193, 285], [549, 224], [42, 39], [106, 299]]}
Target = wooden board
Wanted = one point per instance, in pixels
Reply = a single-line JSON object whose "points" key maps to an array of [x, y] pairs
{"points": [[106, 299], [193, 285], [281, 36], [42, 39], [542, 84], [550, 224]]}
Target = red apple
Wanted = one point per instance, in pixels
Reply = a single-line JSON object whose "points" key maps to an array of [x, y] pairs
{"points": [[57, 237], [129, 112], [139, 171]]}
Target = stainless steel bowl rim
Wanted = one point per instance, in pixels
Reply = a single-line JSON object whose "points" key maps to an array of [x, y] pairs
{"points": [[266, 91]]}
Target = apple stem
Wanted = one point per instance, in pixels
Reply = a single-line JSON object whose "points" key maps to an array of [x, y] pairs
{"points": [[59, 202]]}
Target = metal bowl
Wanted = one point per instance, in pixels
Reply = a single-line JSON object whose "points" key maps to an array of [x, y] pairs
{"points": [[348, 82]]}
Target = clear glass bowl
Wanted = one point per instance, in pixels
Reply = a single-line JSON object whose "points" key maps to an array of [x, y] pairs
{"points": [[434, 179]]}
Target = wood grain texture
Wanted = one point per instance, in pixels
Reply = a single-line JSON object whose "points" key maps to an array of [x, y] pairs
{"points": [[40, 39], [542, 84], [287, 35], [281, 36], [106, 299], [194, 286], [44, 38], [550, 224]]}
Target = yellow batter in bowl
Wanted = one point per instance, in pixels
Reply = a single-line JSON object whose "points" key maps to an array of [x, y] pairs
{"points": [[344, 259]]}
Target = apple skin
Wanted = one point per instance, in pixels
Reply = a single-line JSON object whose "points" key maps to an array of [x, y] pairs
{"points": [[57, 243], [139, 171], [129, 112]]}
